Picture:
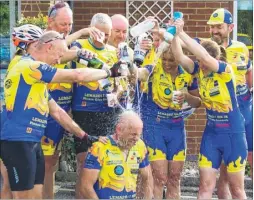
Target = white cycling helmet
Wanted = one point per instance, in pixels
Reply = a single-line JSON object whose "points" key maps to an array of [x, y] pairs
{"points": [[26, 34]]}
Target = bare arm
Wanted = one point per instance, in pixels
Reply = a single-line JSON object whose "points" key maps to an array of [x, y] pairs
{"points": [[249, 78], [200, 52], [182, 59], [79, 75], [147, 182], [91, 31], [193, 99], [88, 179], [64, 119], [141, 73], [69, 56]]}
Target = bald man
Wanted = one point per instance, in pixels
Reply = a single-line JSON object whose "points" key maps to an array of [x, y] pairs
{"points": [[111, 169]]}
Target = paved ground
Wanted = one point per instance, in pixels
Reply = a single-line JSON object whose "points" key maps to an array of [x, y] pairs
{"points": [[65, 190]]}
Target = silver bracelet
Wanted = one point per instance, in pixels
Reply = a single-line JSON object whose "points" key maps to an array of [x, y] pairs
{"points": [[108, 72]]}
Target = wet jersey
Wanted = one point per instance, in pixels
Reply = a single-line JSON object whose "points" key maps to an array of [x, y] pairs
{"points": [[238, 58], [61, 92], [26, 99], [90, 96], [157, 101], [217, 91], [117, 176]]}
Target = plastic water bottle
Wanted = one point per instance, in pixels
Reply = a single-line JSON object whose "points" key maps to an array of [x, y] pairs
{"points": [[142, 27], [124, 57], [171, 30], [139, 54]]}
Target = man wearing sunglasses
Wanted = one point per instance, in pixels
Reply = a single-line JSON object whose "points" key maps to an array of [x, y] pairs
{"points": [[60, 19], [28, 104]]}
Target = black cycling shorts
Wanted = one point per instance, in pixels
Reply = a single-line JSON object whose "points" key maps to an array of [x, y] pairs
{"points": [[93, 123], [24, 162]]}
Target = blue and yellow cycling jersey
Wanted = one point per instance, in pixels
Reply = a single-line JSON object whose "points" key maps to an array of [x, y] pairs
{"points": [[217, 91], [26, 100], [118, 176], [90, 96], [156, 103], [238, 58], [61, 92]]}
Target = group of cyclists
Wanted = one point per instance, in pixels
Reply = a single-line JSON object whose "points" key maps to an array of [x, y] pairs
{"points": [[45, 84]]}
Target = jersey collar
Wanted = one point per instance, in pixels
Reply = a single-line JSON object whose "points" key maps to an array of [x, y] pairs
{"points": [[91, 42]]}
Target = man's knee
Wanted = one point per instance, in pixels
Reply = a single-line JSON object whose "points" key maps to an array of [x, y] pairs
{"points": [[160, 178]]}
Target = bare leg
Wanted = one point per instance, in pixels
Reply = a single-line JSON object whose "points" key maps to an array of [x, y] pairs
{"points": [[173, 184], [49, 178], [236, 184], [207, 183], [160, 174], [223, 191], [6, 191], [80, 163], [250, 161]]}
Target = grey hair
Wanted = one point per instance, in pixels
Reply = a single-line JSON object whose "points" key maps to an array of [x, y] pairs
{"points": [[53, 13], [48, 36], [101, 18]]}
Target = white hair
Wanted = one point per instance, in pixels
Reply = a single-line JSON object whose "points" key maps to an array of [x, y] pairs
{"points": [[101, 18]]}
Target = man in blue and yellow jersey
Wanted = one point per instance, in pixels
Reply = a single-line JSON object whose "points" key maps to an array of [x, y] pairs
{"points": [[28, 105], [111, 170], [221, 25], [224, 134], [89, 105], [163, 117], [60, 19]]}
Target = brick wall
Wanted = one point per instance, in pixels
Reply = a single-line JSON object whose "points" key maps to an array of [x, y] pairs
{"points": [[196, 14]]}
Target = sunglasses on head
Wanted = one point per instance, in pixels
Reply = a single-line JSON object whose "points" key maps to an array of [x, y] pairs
{"points": [[56, 7], [61, 37]]}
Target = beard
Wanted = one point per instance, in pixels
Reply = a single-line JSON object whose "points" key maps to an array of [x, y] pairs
{"points": [[219, 39]]}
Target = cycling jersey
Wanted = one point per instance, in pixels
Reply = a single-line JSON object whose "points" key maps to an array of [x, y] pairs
{"points": [[26, 99], [62, 94], [117, 177], [224, 135], [90, 96]]}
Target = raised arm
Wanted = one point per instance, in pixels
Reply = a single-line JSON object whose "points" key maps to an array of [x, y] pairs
{"points": [[195, 48], [180, 57]]}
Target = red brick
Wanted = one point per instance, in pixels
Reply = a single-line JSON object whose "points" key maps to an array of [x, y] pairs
{"points": [[91, 4], [117, 11], [205, 11], [190, 23], [199, 17], [194, 134], [196, 28], [202, 23], [109, 4], [192, 152], [188, 11], [190, 128], [213, 5], [200, 128], [179, 5], [122, 4], [204, 35], [196, 4]]}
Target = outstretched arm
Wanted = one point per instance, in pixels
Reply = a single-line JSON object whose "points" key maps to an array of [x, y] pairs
{"points": [[195, 48]]}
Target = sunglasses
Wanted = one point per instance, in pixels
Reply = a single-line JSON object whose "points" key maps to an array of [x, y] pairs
{"points": [[61, 37], [57, 6]]}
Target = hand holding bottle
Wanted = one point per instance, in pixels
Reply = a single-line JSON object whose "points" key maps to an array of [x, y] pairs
{"points": [[179, 24]]}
